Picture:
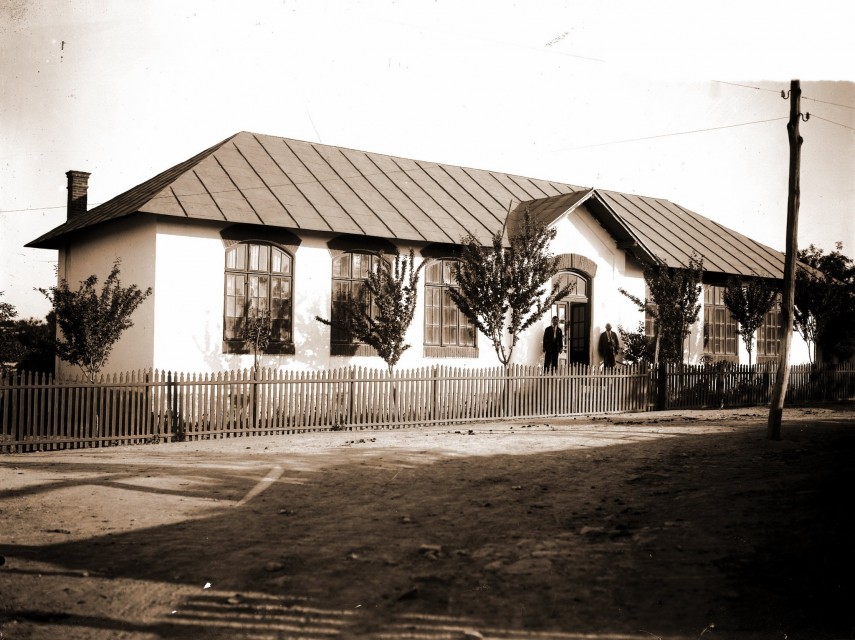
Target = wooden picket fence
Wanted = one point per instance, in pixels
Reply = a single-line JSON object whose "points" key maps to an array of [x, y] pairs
{"points": [[40, 413], [713, 386]]}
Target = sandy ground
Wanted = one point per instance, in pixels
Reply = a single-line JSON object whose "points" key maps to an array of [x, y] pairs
{"points": [[669, 525]]}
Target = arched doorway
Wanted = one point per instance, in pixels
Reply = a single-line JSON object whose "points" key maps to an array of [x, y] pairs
{"points": [[574, 314]]}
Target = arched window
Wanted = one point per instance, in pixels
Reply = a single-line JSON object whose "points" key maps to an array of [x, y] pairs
{"points": [[350, 272], [258, 283], [445, 324]]}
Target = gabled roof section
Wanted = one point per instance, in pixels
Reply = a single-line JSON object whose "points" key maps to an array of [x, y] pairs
{"points": [[671, 234], [127, 203], [546, 211], [256, 179]]}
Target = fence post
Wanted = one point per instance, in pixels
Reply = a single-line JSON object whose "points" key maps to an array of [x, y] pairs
{"points": [[434, 391], [662, 386], [172, 391], [253, 395], [351, 389]]}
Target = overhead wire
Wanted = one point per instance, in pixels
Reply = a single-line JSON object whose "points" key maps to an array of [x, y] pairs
{"points": [[839, 124], [678, 133], [380, 173]]}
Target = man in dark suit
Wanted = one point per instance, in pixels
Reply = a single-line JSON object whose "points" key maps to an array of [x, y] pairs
{"points": [[553, 344], [609, 346]]}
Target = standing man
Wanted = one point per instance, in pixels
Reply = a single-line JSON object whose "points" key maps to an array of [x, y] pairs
{"points": [[609, 346], [553, 344]]}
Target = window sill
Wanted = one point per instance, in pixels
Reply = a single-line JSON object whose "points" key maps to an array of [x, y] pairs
{"points": [[436, 351], [733, 359], [273, 349]]}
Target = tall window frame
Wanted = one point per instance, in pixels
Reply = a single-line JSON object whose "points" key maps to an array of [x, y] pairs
{"points": [[258, 280], [574, 315], [350, 271], [719, 326], [769, 334], [447, 331]]}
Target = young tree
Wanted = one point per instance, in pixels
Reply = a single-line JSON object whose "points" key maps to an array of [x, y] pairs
{"points": [[37, 343], [824, 313], [256, 332], [637, 346], [10, 349], [749, 301], [501, 289], [393, 289], [673, 303], [91, 322]]}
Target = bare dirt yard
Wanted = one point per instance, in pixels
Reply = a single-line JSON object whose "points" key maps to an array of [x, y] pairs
{"points": [[646, 526]]}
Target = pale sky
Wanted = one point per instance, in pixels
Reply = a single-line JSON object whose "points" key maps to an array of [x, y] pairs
{"points": [[678, 100]]}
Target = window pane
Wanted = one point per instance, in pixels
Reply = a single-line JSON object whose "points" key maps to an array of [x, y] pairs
{"points": [[240, 257], [432, 315], [341, 266], [449, 320], [357, 261], [467, 331], [433, 273], [448, 272], [253, 257]]}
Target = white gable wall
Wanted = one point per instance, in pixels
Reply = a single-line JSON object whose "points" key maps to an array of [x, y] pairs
{"points": [[577, 232], [132, 240]]}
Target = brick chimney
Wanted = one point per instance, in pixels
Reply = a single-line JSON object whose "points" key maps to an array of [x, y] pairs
{"points": [[78, 186]]}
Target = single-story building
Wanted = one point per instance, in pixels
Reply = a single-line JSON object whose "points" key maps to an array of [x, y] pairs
{"points": [[258, 221]]}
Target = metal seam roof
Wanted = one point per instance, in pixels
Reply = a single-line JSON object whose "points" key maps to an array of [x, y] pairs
{"points": [[268, 180]]}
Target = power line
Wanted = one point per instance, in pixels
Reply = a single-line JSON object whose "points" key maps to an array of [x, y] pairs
{"points": [[668, 135], [836, 104], [813, 115], [746, 86]]}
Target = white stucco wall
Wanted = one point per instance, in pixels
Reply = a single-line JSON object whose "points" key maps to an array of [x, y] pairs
{"points": [[132, 240], [180, 327], [189, 309]]}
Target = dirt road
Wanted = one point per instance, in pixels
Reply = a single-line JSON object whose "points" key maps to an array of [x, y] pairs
{"points": [[669, 526]]}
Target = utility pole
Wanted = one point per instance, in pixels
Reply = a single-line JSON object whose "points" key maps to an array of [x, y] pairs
{"points": [[776, 409]]}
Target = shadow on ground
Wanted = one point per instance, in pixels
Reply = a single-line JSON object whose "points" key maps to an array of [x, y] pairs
{"points": [[722, 535]]}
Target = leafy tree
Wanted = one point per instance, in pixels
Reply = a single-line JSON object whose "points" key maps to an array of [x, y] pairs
{"points": [[91, 322], [9, 346], [637, 346], [824, 313], [749, 301], [256, 332], [501, 289], [37, 342], [393, 287], [673, 303]]}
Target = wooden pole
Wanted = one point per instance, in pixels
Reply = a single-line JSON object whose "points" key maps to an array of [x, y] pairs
{"points": [[776, 409]]}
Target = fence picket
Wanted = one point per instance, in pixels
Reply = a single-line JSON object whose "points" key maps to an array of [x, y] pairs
{"points": [[40, 412]]}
